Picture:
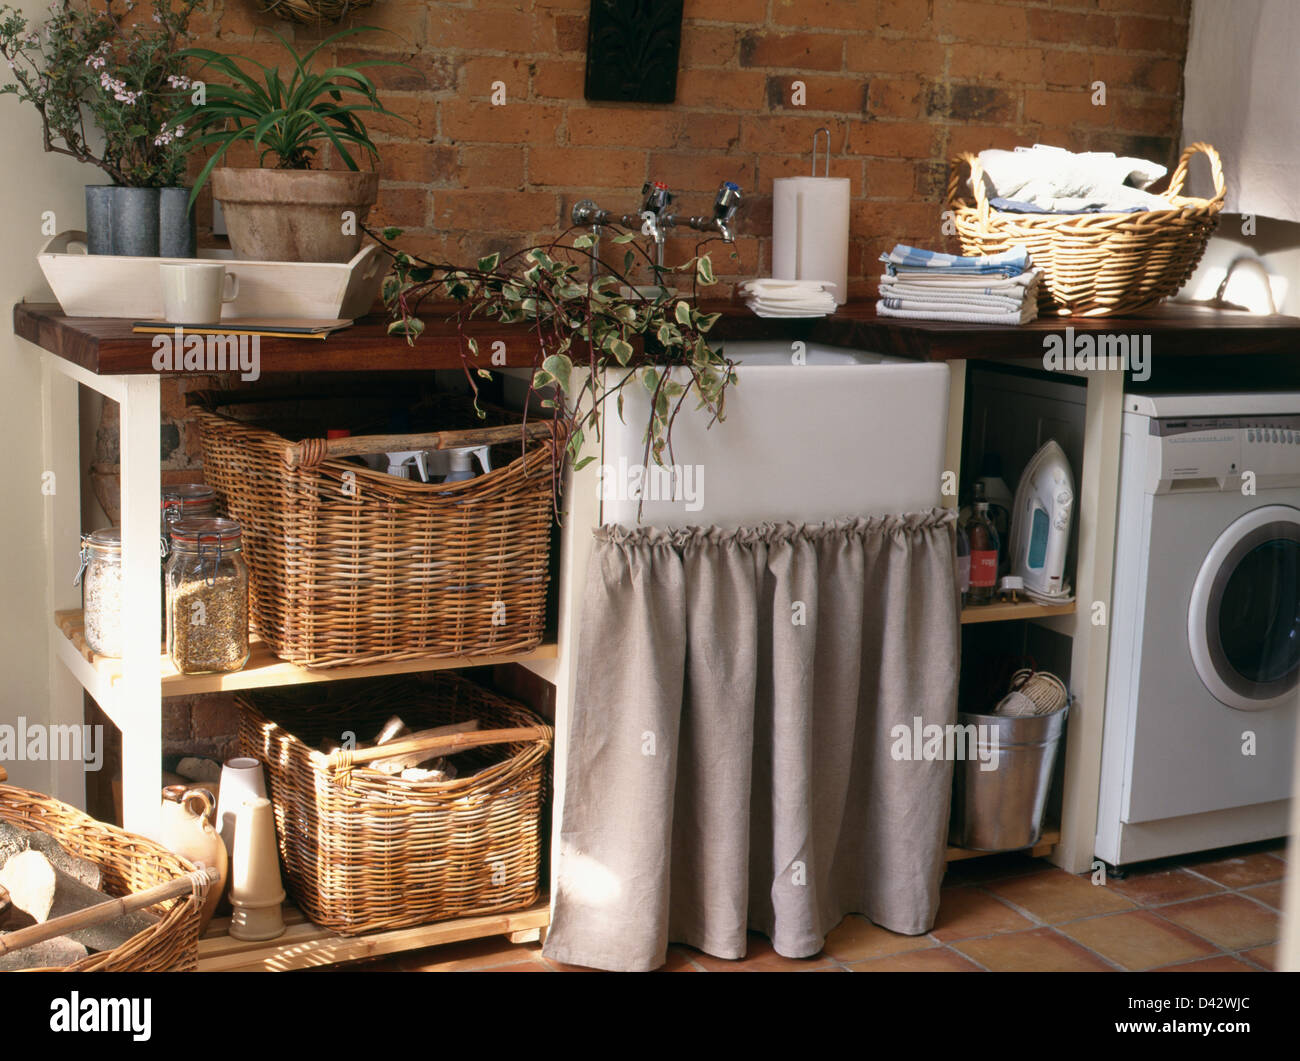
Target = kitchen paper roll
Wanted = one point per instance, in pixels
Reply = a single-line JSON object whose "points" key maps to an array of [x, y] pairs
{"points": [[810, 231]]}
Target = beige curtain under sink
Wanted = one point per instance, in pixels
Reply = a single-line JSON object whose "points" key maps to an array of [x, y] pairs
{"points": [[729, 755]]}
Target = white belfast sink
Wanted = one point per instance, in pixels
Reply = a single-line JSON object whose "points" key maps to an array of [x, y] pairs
{"points": [[846, 433]]}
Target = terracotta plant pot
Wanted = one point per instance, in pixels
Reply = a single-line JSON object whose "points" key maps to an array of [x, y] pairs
{"points": [[287, 215]]}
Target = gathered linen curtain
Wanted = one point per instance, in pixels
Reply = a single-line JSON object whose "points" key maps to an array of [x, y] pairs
{"points": [[729, 753]]}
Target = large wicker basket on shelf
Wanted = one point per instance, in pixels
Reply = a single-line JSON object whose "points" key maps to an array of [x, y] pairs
{"points": [[349, 565], [365, 851], [129, 864], [1095, 264]]}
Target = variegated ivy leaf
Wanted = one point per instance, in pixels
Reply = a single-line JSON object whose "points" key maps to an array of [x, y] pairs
{"points": [[622, 351], [704, 271], [683, 314], [559, 368], [488, 264]]}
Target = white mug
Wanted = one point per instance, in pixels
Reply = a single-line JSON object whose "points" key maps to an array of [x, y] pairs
{"points": [[194, 293]]}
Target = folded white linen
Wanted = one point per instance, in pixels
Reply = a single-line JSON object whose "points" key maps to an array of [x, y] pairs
{"points": [[1025, 315], [785, 309], [926, 298], [1056, 179], [941, 281]]}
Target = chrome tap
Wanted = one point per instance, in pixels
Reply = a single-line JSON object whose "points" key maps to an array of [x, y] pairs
{"points": [[725, 205]]}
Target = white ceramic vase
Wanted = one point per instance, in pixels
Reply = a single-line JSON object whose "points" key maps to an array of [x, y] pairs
{"points": [[241, 779]]}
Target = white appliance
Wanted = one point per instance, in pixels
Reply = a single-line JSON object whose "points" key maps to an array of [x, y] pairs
{"points": [[1201, 695], [1040, 524], [812, 433]]}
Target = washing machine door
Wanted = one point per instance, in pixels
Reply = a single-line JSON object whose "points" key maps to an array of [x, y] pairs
{"points": [[1243, 624]]}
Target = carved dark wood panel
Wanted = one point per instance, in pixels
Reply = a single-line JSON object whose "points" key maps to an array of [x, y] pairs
{"points": [[632, 50]]}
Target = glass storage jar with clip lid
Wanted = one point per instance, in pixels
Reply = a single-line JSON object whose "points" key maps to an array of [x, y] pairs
{"points": [[207, 597], [180, 501], [100, 576]]}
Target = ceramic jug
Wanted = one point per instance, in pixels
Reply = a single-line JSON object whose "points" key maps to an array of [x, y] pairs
{"points": [[186, 828]]}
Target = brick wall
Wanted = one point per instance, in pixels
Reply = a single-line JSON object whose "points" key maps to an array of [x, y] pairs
{"points": [[902, 84]]}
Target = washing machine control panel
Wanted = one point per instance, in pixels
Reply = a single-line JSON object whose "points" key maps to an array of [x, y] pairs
{"points": [[1223, 453]]}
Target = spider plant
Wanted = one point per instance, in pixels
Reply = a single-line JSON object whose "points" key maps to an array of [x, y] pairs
{"points": [[287, 118]]}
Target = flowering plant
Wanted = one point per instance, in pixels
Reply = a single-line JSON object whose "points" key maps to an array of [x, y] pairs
{"points": [[98, 63]]}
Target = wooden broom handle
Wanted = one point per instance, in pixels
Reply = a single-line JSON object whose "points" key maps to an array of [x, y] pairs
{"points": [[93, 915], [453, 742], [311, 451]]}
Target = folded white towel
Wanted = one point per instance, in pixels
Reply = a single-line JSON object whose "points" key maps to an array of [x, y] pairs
{"points": [[763, 309], [940, 281], [996, 303], [789, 298], [1027, 314], [1056, 179]]}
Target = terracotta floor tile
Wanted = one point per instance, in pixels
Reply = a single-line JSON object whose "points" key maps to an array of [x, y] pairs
{"points": [[1156, 886], [679, 961], [1055, 896], [518, 967], [562, 967], [1039, 951], [1271, 893], [1137, 940], [855, 939], [1265, 956], [1224, 963], [473, 954], [1241, 871], [967, 912], [933, 960], [1228, 920]]}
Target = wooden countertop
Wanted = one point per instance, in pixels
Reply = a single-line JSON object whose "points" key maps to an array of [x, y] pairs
{"points": [[108, 346]]}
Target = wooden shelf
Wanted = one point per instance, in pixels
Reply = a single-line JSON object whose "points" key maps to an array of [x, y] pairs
{"points": [[265, 669], [305, 945], [1001, 613], [1049, 839]]}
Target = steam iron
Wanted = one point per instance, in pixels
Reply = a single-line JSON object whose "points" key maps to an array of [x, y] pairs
{"points": [[1040, 525]]}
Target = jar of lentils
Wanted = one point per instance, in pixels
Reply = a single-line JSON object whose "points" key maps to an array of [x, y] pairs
{"points": [[102, 590], [207, 597]]}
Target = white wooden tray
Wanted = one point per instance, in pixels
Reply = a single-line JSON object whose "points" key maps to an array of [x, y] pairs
{"points": [[110, 285]]}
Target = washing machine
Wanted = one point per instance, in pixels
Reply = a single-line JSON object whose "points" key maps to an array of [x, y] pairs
{"points": [[1202, 686]]}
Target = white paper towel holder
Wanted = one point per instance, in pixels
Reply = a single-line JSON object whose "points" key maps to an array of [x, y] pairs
{"points": [[826, 161]]}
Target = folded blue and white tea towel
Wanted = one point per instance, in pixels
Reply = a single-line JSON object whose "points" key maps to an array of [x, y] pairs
{"points": [[1008, 263], [928, 285]]}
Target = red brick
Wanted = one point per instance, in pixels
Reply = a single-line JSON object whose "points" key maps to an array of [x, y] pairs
{"points": [[700, 173], [893, 139], [964, 20], [984, 63], [401, 205], [420, 72], [415, 162], [570, 33], [824, 14], [906, 16], [1144, 115], [1140, 73], [977, 138], [484, 166], [617, 126], [874, 55], [708, 46], [1180, 9], [478, 72], [784, 134], [897, 98], [404, 20], [726, 89], [843, 95], [414, 116], [726, 11], [559, 79], [1152, 35], [1067, 69], [713, 132], [489, 212], [515, 123], [583, 167], [1064, 108], [1071, 27], [489, 31], [890, 179], [792, 51], [900, 222]]}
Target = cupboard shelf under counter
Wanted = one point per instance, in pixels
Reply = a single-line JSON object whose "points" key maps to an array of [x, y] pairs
{"points": [[107, 357]]}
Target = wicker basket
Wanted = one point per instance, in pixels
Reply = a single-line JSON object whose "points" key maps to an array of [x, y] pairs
{"points": [[349, 565], [311, 12], [129, 863], [1096, 265], [365, 851]]}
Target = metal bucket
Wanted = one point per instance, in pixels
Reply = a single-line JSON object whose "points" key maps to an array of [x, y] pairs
{"points": [[1001, 809]]}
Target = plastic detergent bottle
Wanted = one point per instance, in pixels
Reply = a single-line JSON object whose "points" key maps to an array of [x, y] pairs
{"points": [[462, 467]]}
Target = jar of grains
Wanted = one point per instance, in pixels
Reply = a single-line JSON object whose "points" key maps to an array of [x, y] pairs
{"points": [[207, 597], [180, 501], [100, 576]]}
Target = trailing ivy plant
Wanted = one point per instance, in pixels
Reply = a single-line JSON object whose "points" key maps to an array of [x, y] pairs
{"points": [[586, 334]]}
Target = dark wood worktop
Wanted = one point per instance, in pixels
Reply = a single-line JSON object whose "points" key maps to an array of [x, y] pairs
{"points": [[108, 346]]}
